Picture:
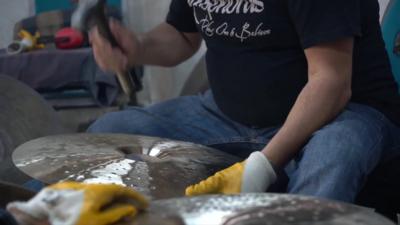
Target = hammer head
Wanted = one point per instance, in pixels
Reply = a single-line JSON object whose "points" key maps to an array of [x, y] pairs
{"points": [[92, 13], [87, 10]]}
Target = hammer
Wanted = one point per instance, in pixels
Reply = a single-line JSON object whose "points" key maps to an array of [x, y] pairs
{"points": [[90, 13]]}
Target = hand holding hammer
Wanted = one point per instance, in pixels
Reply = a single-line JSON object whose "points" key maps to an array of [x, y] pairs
{"points": [[111, 51]]}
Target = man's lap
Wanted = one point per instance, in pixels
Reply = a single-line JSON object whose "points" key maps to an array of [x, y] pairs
{"points": [[197, 119], [339, 157], [193, 118], [354, 140]]}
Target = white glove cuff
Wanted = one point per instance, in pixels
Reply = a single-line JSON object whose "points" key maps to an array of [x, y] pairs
{"points": [[258, 174]]}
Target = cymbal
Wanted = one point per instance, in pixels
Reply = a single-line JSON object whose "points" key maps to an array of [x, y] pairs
{"points": [[158, 168], [256, 209], [24, 115]]}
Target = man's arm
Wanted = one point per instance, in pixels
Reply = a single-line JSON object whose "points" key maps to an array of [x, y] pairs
{"points": [[325, 95], [162, 46]]}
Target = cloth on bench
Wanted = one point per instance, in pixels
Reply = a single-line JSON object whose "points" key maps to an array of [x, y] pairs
{"points": [[51, 70]]}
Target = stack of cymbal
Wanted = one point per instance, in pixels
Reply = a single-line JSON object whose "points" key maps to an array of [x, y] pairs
{"points": [[158, 168], [161, 169]]}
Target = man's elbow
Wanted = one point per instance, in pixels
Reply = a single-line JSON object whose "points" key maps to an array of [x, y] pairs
{"points": [[181, 56], [344, 88], [346, 96], [175, 61], [342, 85]]}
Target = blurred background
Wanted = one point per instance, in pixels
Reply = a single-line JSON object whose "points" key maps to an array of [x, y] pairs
{"points": [[139, 15]]}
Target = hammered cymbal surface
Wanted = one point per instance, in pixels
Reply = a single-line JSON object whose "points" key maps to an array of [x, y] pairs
{"points": [[257, 209], [158, 168]]}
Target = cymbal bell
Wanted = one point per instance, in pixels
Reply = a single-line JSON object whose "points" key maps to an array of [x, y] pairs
{"points": [[158, 168]]}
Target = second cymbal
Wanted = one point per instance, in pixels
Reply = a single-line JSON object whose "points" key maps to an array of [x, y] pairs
{"points": [[158, 168]]}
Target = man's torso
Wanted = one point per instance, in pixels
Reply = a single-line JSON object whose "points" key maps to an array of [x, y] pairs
{"points": [[256, 62]]}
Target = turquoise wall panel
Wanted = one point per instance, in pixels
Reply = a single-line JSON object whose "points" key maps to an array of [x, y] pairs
{"points": [[48, 5], [391, 29]]}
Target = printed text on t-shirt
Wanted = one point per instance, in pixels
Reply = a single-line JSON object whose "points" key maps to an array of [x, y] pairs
{"points": [[228, 6], [241, 31]]}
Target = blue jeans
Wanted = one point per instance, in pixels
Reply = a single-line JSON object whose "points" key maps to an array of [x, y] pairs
{"points": [[6, 218], [333, 164]]}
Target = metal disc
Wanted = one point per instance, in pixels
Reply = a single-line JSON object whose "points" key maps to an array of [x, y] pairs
{"points": [[24, 115], [158, 168], [257, 209]]}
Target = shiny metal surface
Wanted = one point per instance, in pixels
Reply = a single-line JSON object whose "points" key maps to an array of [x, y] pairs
{"points": [[158, 168], [24, 115], [257, 209]]}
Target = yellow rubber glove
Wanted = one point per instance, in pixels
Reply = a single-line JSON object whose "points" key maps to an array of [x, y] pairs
{"points": [[255, 174], [73, 203], [227, 181]]}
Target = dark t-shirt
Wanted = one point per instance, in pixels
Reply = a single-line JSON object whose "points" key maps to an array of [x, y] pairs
{"points": [[255, 52]]}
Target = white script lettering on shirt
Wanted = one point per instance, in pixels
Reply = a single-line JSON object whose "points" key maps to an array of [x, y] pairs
{"points": [[209, 28], [228, 6]]}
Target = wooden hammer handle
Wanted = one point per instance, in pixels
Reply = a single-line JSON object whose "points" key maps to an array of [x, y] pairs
{"points": [[128, 85], [126, 82]]}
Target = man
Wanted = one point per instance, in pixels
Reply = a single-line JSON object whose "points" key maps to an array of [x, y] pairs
{"points": [[300, 85]]}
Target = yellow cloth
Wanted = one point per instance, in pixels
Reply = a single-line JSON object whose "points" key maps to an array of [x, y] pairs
{"points": [[72, 203], [98, 196], [32, 39]]}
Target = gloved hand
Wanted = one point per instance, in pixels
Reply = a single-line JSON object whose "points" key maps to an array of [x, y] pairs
{"points": [[72, 203], [255, 174]]}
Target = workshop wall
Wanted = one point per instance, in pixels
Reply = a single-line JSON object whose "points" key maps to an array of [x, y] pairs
{"points": [[11, 12], [48, 5], [160, 83], [383, 4]]}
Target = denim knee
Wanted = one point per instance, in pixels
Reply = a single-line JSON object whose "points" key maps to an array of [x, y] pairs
{"points": [[130, 121], [136, 121], [108, 123], [338, 158], [351, 143]]}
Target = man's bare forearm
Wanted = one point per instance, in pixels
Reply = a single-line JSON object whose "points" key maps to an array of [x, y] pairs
{"points": [[165, 46], [319, 102], [325, 95]]}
